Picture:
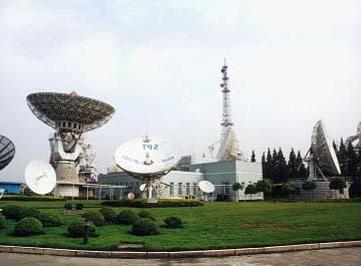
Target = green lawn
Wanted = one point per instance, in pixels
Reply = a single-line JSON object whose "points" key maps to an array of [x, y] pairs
{"points": [[215, 225]]}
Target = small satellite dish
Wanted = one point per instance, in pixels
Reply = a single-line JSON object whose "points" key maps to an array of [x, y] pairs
{"points": [[146, 156], [131, 196], [40, 177], [142, 187], [7, 151], [206, 187]]}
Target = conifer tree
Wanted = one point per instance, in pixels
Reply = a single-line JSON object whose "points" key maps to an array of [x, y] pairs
{"points": [[292, 165], [263, 165], [352, 161], [253, 157], [342, 158]]}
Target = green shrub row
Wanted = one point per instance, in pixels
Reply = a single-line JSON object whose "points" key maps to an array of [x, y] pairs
{"points": [[31, 198], [18, 213], [142, 203], [71, 206]]}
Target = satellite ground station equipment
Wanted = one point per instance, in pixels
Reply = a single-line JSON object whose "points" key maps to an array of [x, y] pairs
{"points": [[352, 138], [147, 159], [40, 177], [206, 187], [7, 151], [321, 156], [70, 115]]}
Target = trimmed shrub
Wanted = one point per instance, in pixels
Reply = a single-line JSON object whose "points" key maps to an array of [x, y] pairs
{"points": [[142, 203], [29, 212], [109, 214], [2, 221], [76, 229], [127, 217], [12, 212], [32, 198], [50, 219], [95, 216], [146, 214], [144, 227], [28, 226], [79, 206], [68, 206], [173, 222]]}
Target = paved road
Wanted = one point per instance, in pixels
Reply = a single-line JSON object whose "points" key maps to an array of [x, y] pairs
{"points": [[329, 257]]}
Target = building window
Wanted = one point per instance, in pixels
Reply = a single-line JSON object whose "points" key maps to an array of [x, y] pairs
{"points": [[180, 189], [171, 189], [195, 189], [226, 188], [188, 189]]}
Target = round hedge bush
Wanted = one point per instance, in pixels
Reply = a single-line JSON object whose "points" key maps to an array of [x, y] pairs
{"points": [[50, 219], [173, 222], [2, 221], [146, 214], [76, 229], [127, 217], [29, 212], [144, 227], [95, 216], [28, 226], [110, 215], [12, 211]]}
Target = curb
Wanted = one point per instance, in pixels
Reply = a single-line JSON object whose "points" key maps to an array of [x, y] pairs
{"points": [[176, 254]]}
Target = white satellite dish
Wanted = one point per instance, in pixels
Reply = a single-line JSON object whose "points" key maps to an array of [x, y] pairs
{"points": [[206, 187], [40, 177], [148, 159], [142, 187], [131, 195], [146, 156]]}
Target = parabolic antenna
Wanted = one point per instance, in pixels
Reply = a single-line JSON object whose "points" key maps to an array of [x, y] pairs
{"points": [[148, 156], [40, 177], [69, 111], [206, 187], [323, 152], [142, 187], [7, 151]]}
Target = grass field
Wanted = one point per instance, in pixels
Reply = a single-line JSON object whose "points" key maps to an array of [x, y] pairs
{"points": [[215, 225]]}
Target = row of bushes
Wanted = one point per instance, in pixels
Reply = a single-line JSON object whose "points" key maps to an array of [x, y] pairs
{"points": [[143, 222], [31, 198], [17, 213], [71, 206], [142, 203]]}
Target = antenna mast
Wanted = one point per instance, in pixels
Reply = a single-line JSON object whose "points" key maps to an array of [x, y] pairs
{"points": [[226, 115]]}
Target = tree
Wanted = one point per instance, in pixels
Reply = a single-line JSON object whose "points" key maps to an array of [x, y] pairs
{"points": [[301, 168], [338, 183], [250, 190], [236, 187], [253, 157], [342, 158], [290, 189], [263, 165], [292, 165], [309, 186], [264, 186], [352, 161], [281, 167]]}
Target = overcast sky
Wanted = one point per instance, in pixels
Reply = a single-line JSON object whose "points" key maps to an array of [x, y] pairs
{"points": [[158, 63]]}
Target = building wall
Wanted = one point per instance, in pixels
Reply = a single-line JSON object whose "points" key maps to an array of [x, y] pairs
{"points": [[184, 184], [13, 188]]}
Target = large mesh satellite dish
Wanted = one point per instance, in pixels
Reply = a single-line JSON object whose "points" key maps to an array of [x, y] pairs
{"points": [[322, 152], [40, 177], [7, 151]]}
